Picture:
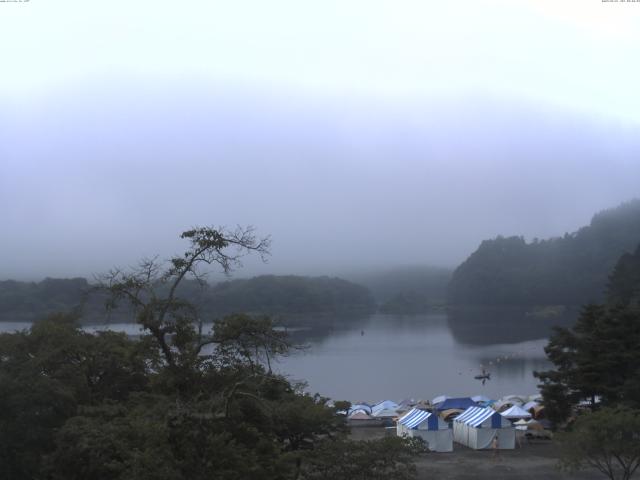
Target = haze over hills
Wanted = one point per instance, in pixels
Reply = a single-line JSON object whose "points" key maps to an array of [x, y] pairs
{"points": [[351, 183], [568, 270]]}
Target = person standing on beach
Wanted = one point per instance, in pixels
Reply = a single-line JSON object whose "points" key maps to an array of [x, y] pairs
{"points": [[495, 447]]}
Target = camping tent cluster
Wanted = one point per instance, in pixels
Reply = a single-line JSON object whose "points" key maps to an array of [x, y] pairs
{"points": [[470, 421]]}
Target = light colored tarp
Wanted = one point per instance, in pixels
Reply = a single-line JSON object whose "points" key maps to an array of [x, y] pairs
{"points": [[515, 412], [384, 405], [360, 406], [385, 413], [529, 405], [360, 415], [358, 412]]}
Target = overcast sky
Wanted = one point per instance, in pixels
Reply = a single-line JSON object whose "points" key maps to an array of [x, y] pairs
{"points": [[355, 133]]}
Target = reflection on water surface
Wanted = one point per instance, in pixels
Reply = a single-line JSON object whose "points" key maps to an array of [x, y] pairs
{"points": [[417, 356]]}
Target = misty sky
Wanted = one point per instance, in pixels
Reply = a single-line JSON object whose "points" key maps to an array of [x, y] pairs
{"points": [[355, 133]]}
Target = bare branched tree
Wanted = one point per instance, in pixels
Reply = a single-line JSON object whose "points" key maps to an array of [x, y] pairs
{"points": [[151, 288]]}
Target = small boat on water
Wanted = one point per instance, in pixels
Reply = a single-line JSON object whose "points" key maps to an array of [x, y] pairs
{"points": [[484, 376]]}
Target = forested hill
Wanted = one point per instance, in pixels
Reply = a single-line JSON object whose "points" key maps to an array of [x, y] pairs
{"points": [[568, 270], [624, 283], [28, 300], [289, 295], [269, 294]]}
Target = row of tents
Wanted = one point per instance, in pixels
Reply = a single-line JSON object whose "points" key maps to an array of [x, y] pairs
{"points": [[471, 421], [476, 427], [512, 406]]}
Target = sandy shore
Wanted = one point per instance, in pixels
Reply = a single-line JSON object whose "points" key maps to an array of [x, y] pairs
{"points": [[535, 460]]}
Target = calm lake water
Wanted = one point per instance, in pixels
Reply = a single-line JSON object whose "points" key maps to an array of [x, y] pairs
{"points": [[417, 356]]}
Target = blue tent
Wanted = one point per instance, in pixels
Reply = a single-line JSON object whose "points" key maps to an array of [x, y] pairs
{"points": [[459, 403]]}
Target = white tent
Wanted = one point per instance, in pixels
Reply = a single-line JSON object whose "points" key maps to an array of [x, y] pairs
{"points": [[529, 405], [476, 428], [360, 406], [515, 412], [428, 426], [359, 412], [385, 413], [385, 404], [386, 408]]}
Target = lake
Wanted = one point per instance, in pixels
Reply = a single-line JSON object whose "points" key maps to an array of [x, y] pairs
{"points": [[415, 356]]}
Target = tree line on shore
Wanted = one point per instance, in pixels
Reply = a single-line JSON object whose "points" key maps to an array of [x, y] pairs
{"points": [[268, 294], [180, 401]]}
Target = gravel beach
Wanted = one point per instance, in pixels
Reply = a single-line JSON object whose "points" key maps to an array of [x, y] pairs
{"points": [[534, 460]]}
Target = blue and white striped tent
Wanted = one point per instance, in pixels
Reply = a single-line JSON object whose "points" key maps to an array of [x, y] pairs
{"points": [[476, 428], [428, 426]]}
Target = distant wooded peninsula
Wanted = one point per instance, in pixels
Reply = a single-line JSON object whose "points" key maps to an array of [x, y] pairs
{"points": [[506, 271], [568, 270]]}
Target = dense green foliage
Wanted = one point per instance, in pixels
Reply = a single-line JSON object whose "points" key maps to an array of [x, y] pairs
{"points": [[624, 283], [570, 270], [26, 300], [75, 405], [606, 440], [179, 402], [268, 294], [599, 356], [388, 458]]}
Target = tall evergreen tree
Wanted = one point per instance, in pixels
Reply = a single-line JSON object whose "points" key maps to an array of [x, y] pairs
{"points": [[599, 357]]}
